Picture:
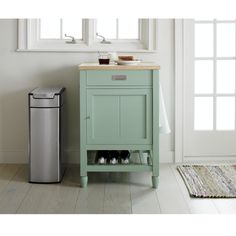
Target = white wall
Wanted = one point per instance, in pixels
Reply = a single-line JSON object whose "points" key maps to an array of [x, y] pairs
{"points": [[21, 72]]}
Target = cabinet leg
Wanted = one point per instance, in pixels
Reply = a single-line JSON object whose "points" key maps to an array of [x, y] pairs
{"points": [[83, 181], [155, 181]]}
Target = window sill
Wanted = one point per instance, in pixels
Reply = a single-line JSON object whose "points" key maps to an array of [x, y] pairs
{"points": [[86, 50]]}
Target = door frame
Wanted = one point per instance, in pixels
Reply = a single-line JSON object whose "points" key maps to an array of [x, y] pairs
{"points": [[179, 90]]}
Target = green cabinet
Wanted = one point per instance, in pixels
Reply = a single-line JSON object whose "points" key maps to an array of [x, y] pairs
{"points": [[119, 111]]}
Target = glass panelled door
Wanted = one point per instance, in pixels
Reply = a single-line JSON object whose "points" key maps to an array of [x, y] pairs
{"points": [[210, 88]]}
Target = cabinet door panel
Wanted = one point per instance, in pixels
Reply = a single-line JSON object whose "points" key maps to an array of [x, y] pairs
{"points": [[119, 116], [133, 118], [105, 116]]}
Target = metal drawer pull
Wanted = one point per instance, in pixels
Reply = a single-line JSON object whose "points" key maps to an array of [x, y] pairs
{"points": [[119, 77]]}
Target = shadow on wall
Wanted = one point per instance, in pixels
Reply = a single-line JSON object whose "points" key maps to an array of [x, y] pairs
{"points": [[14, 113]]}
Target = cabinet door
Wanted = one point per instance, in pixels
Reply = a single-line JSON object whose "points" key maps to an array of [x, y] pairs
{"points": [[119, 116]]}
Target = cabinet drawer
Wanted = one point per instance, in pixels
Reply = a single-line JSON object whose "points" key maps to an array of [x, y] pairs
{"points": [[119, 78]]}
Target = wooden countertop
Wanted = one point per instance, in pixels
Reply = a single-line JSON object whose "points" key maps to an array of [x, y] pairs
{"points": [[141, 66]]}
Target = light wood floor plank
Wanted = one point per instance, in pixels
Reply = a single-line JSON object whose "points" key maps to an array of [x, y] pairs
{"points": [[15, 191], [196, 205], [53, 198], [7, 172], [67, 193], [37, 199], [225, 206], [117, 199], [106, 193], [143, 196], [169, 194], [91, 199]]}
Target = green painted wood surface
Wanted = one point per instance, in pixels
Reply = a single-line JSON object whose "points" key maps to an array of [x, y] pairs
{"points": [[155, 152], [119, 115], [133, 78], [118, 147], [83, 131], [119, 168]]}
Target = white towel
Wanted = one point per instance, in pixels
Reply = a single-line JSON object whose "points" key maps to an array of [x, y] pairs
{"points": [[164, 127]]}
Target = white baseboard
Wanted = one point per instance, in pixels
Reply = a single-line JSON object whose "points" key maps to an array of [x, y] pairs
{"points": [[210, 159], [21, 157]]}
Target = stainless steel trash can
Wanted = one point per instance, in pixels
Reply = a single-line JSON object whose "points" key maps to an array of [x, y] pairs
{"points": [[46, 135]]}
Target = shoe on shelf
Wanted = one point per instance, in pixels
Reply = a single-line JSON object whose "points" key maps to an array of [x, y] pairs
{"points": [[113, 157], [102, 157], [125, 157]]}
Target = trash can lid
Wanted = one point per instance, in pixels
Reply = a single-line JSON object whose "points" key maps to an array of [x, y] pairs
{"points": [[46, 92]]}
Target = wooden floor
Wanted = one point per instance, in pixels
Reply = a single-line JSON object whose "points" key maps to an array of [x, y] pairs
{"points": [[106, 193]]}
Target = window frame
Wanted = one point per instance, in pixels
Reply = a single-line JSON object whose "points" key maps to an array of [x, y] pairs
{"points": [[214, 59], [28, 39]]}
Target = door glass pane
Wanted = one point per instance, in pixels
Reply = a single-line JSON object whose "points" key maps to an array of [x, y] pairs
{"points": [[225, 39], [128, 28], [50, 28], [204, 40], [72, 27], [107, 27], [203, 113], [203, 76], [225, 76], [225, 113]]}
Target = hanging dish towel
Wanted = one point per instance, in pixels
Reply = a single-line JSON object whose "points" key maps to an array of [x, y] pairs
{"points": [[164, 127]]}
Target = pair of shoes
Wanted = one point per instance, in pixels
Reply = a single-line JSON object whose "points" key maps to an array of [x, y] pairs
{"points": [[107, 157], [112, 157], [102, 157], [124, 157]]}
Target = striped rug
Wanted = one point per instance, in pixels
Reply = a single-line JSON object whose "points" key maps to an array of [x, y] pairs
{"points": [[209, 181]]}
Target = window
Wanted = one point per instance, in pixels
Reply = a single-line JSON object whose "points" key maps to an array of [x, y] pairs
{"points": [[57, 28], [214, 75], [138, 35], [118, 28]]}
